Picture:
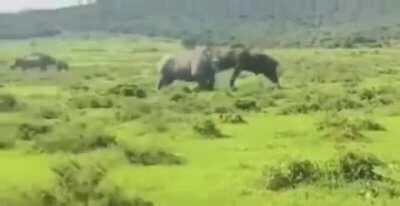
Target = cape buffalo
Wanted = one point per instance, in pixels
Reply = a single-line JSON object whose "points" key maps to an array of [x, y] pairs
{"points": [[193, 66], [242, 59], [39, 60]]}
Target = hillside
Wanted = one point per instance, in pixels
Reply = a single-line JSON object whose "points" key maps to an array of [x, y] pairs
{"points": [[269, 22]]}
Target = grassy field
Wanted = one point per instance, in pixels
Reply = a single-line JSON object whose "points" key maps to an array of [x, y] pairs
{"points": [[101, 134]]}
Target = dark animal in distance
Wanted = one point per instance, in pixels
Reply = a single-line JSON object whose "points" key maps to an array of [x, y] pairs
{"points": [[192, 66], [242, 59], [39, 60]]}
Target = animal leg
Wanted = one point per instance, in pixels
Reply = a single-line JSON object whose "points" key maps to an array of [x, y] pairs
{"points": [[235, 75], [211, 83], [164, 81]]}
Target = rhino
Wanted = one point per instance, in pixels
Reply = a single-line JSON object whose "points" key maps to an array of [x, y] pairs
{"points": [[39, 60], [192, 66], [241, 59]]}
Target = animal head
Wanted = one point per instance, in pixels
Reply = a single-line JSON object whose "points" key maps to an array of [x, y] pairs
{"points": [[225, 59], [272, 72]]}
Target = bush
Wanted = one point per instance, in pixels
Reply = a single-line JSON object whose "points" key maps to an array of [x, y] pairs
{"points": [[343, 103], [6, 142], [348, 168], [115, 197], [300, 108], [133, 109], [50, 112], [76, 182], [290, 176], [208, 128], [29, 131], [128, 90], [76, 138], [337, 120], [222, 110], [91, 101], [178, 97], [232, 118], [152, 156], [353, 166], [247, 105], [7, 102], [348, 128]]}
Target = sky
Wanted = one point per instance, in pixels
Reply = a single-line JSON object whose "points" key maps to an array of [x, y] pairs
{"points": [[19, 5]]}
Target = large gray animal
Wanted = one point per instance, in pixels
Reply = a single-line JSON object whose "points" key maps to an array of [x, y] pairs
{"points": [[241, 59], [39, 60], [192, 66]]}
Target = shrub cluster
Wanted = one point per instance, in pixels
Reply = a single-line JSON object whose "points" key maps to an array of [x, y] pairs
{"points": [[7, 102], [152, 156], [75, 138], [343, 127], [91, 101], [208, 128], [128, 90], [350, 167]]}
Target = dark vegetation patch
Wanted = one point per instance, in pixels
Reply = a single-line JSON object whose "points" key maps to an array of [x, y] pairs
{"points": [[247, 105], [6, 142], [51, 112], [232, 118], [342, 127], [152, 156], [116, 196], [128, 90], [208, 128], [8, 102], [75, 138], [78, 183], [30, 131], [349, 168], [91, 101]]}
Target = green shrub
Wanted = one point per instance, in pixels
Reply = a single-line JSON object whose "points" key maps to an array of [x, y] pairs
{"points": [[75, 138], [6, 142], [300, 108], [247, 105], [91, 101], [7, 102], [128, 90], [76, 182], [208, 128], [292, 175], [223, 110], [29, 131], [178, 97], [151, 156], [341, 121], [50, 112], [355, 166], [232, 118], [116, 197], [350, 167], [343, 103]]}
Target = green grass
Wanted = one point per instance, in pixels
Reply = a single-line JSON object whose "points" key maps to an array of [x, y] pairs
{"points": [[222, 171]]}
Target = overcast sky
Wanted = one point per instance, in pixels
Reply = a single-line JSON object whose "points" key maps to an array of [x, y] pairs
{"points": [[18, 5]]}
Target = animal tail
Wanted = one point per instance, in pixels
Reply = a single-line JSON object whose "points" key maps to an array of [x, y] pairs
{"points": [[163, 62]]}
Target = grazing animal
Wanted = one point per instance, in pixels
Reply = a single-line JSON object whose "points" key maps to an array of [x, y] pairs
{"points": [[242, 59], [39, 60], [192, 66]]}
